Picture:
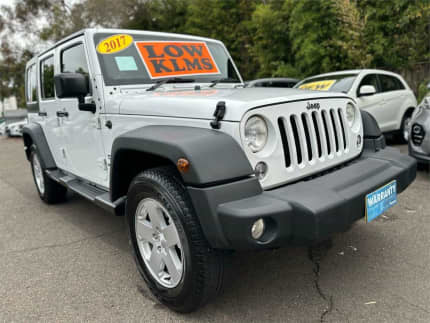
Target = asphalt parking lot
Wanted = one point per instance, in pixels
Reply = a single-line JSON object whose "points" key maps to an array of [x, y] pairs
{"points": [[71, 262]]}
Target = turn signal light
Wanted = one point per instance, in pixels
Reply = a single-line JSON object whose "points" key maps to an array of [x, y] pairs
{"points": [[183, 165]]}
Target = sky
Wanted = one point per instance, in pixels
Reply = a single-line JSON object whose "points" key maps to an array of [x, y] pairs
{"points": [[19, 39], [6, 2], [23, 40]]}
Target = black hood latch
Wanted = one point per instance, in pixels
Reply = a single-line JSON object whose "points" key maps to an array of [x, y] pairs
{"points": [[218, 114]]}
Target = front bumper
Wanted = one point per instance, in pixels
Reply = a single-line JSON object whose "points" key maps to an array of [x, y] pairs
{"points": [[300, 213], [420, 150], [419, 156]]}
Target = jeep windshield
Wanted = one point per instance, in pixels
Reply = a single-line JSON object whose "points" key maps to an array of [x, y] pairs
{"points": [[332, 83], [127, 59]]}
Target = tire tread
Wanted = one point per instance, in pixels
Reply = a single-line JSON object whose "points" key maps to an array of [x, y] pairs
{"points": [[210, 262]]}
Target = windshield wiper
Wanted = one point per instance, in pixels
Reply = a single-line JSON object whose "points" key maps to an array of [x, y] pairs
{"points": [[169, 80], [226, 79]]}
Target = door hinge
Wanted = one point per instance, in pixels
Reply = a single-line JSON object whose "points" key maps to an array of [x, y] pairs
{"points": [[105, 165]]}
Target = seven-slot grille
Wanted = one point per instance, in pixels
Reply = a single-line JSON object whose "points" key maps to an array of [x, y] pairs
{"points": [[313, 135]]}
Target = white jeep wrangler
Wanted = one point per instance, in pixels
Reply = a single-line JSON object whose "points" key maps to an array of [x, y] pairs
{"points": [[159, 127]]}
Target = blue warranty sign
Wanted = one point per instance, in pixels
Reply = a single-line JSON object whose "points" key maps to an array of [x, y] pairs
{"points": [[380, 200]]}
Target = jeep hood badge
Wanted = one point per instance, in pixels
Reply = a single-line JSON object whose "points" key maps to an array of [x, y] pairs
{"points": [[313, 106]]}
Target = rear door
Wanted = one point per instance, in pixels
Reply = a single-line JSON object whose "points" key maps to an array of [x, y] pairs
{"points": [[394, 94], [86, 154], [31, 97], [374, 104], [48, 104]]}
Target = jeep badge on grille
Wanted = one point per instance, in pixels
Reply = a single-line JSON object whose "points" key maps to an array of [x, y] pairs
{"points": [[312, 106]]}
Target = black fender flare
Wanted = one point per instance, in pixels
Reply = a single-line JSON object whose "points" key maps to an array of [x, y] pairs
{"points": [[214, 157], [373, 137], [370, 126], [33, 134]]}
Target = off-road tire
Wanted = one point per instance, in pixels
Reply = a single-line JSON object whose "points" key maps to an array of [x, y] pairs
{"points": [[204, 267], [53, 192]]}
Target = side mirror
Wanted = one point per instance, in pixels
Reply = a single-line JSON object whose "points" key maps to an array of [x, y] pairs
{"points": [[74, 85], [367, 90]]}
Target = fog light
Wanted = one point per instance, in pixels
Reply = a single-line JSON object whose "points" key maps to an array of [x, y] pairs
{"points": [[358, 141], [257, 229], [260, 170]]}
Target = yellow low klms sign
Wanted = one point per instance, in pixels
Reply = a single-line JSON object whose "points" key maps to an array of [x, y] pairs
{"points": [[318, 85], [114, 44]]}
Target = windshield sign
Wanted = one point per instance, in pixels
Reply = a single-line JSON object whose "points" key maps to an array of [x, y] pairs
{"points": [[332, 83], [163, 59], [318, 85]]}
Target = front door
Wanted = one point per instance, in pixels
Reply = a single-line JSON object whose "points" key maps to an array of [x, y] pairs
{"points": [[374, 104], [86, 154]]}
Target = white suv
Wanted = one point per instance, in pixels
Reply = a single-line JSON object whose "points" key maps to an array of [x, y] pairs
{"points": [[15, 129], [159, 128], [385, 95]]}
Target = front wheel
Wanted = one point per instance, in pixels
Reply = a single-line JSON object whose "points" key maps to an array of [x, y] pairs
{"points": [[171, 252]]}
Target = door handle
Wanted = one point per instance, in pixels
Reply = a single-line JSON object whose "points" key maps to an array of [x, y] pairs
{"points": [[42, 114], [61, 114]]}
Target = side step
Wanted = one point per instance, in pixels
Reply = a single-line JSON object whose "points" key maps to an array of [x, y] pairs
{"points": [[95, 194]]}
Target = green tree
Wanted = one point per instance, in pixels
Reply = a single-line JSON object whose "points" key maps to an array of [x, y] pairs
{"points": [[229, 21], [351, 38], [265, 37], [5, 89], [397, 34], [159, 15], [314, 34], [271, 40], [12, 75]]}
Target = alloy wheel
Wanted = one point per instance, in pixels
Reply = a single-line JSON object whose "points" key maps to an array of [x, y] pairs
{"points": [[159, 243]]}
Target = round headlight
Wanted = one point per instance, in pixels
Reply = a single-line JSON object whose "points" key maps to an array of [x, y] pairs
{"points": [[256, 133], [350, 113]]}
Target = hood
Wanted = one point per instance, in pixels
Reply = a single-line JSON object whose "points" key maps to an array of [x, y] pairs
{"points": [[201, 104]]}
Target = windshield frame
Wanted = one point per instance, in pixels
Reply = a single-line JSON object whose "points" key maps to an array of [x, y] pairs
{"points": [[94, 40]]}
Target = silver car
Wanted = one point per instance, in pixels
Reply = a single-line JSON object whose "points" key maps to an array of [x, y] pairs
{"points": [[419, 143]]}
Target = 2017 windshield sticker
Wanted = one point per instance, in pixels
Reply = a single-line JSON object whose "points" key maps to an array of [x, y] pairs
{"points": [[114, 44], [318, 85], [176, 58]]}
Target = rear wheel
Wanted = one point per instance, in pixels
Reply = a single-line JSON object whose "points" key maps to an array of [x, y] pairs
{"points": [[171, 252], [49, 191]]}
